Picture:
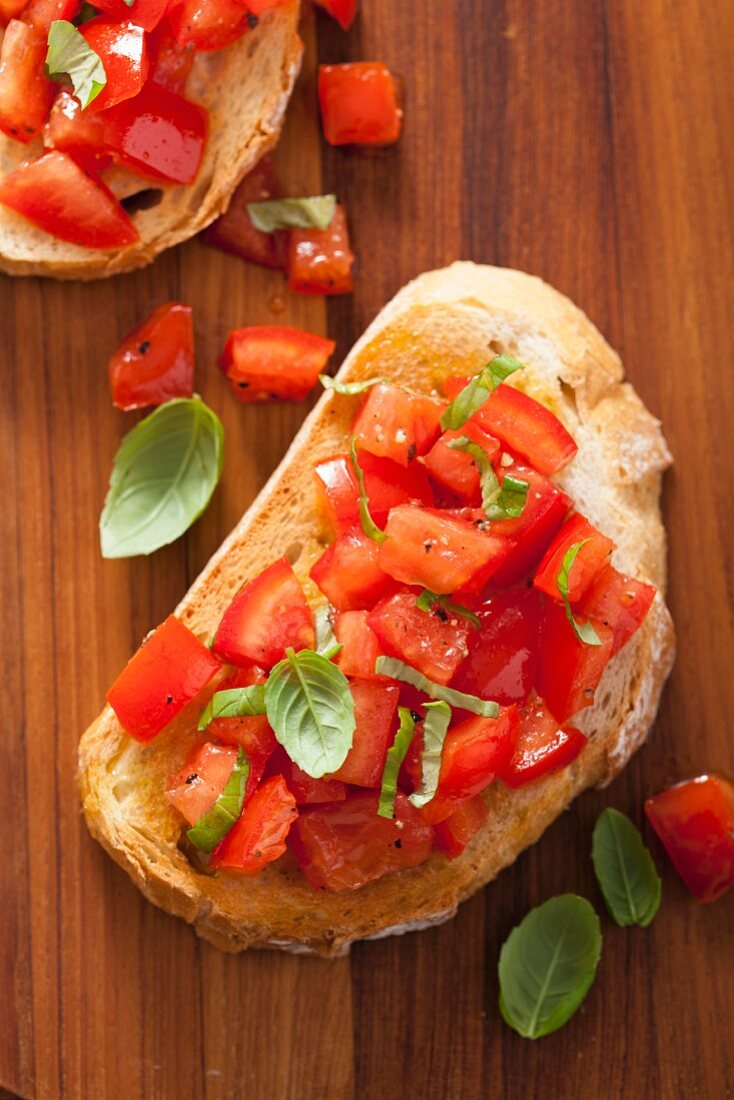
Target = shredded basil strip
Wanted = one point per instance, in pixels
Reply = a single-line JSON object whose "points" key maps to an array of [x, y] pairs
{"points": [[625, 870], [241, 702], [69, 54], [369, 526], [584, 631], [348, 389], [216, 822], [505, 501], [512, 499], [428, 599], [476, 392], [435, 727], [397, 670], [395, 756], [314, 212], [326, 643]]}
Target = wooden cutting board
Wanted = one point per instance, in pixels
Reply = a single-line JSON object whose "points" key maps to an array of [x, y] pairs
{"points": [[589, 143]]}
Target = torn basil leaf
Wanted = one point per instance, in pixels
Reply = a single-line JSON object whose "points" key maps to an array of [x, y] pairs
{"points": [[69, 54], [315, 212]]}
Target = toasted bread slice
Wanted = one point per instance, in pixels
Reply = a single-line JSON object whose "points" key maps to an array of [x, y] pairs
{"points": [[246, 89], [446, 322]]}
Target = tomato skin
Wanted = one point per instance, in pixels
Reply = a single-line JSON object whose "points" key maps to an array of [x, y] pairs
{"points": [[320, 260], [387, 484], [397, 425], [456, 470], [158, 134], [359, 104], [568, 669], [42, 13], [170, 61], [76, 132], [26, 93], [344, 11], [155, 361], [234, 231], [195, 789], [531, 532], [208, 24], [124, 54], [345, 845], [167, 672], [695, 823], [375, 707], [503, 653], [454, 832], [251, 733], [360, 647], [431, 641], [259, 836], [268, 615], [542, 746], [273, 362], [590, 560], [143, 13], [619, 602], [349, 572]]}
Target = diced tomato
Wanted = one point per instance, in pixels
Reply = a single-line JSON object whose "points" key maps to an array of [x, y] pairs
{"points": [[359, 104], [42, 13], [344, 11], [386, 483], [167, 672], [305, 790], [10, 9], [209, 24], [437, 550], [588, 564], [272, 362], [375, 706], [170, 61], [530, 533], [619, 602], [360, 647], [123, 52], [345, 845], [26, 93], [542, 746], [396, 424], [569, 670], [195, 789], [266, 617], [503, 654], [432, 641], [320, 260], [59, 197], [259, 7], [259, 836], [144, 13], [234, 231], [76, 132], [155, 361], [158, 134], [456, 470], [349, 573], [252, 733], [695, 822], [474, 752], [454, 833]]}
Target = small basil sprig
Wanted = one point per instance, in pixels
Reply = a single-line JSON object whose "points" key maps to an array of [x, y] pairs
{"points": [[625, 870], [548, 964], [315, 212], [241, 702], [326, 643], [69, 54], [435, 727], [163, 477], [216, 822], [427, 600], [311, 710], [505, 501], [476, 392], [584, 631], [398, 670], [395, 756], [369, 526]]}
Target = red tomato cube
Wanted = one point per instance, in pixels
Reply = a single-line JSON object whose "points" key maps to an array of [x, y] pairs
{"points": [[349, 572], [503, 653], [588, 564], [157, 134], [250, 732], [76, 132], [320, 260], [305, 790], [360, 647], [143, 13], [542, 746], [396, 424], [234, 231], [432, 641], [359, 104], [26, 93], [569, 670], [195, 789], [122, 49], [155, 362], [387, 484], [375, 707], [259, 836], [208, 24], [170, 61], [619, 602], [457, 470], [42, 13], [530, 533], [344, 11], [272, 362], [454, 833]]}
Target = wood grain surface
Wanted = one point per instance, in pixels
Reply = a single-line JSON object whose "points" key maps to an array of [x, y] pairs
{"points": [[589, 143]]}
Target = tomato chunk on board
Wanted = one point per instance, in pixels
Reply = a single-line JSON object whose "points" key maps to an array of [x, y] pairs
{"points": [[454, 833], [360, 647], [569, 670], [619, 602], [157, 134], [359, 104], [375, 707], [503, 653], [349, 572], [167, 672], [267, 616], [195, 789], [234, 231], [273, 362], [396, 424], [345, 845], [123, 51], [320, 260], [155, 362], [695, 822], [542, 746], [589, 562], [387, 484], [26, 93], [457, 470], [344, 11], [259, 835], [432, 641]]}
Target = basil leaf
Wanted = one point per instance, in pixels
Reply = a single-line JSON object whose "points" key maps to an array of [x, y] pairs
{"points": [[347, 389], [505, 501], [476, 392], [241, 702], [428, 599], [625, 870], [395, 756], [397, 670], [547, 965], [435, 727], [584, 631], [512, 499], [311, 709], [216, 822], [69, 54], [162, 479], [326, 643], [316, 212], [369, 526]]}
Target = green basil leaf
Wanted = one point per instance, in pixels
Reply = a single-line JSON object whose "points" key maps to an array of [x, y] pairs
{"points": [[162, 479], [397, 670], [435, 727], [428, 599], [395, 756], [326, 643], [476, 392], [69, 54], [241, 702], [216, 822], [547, 965], [316, 212], [584, 631], [311, 709], [625, 870], [347, 389], [369, 526], [511, 501]]}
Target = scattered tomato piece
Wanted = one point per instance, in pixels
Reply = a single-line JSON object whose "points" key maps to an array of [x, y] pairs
{"points": [[344, 11], [259, 836], [349, 572], [503, 653], [272, 362], [26, 93], [359, 104], [320, 260], [454, 833], [155, 361], [234, 232], [542, 746], [569, 670], [432, 641], [122, 49], [195, 789]]}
